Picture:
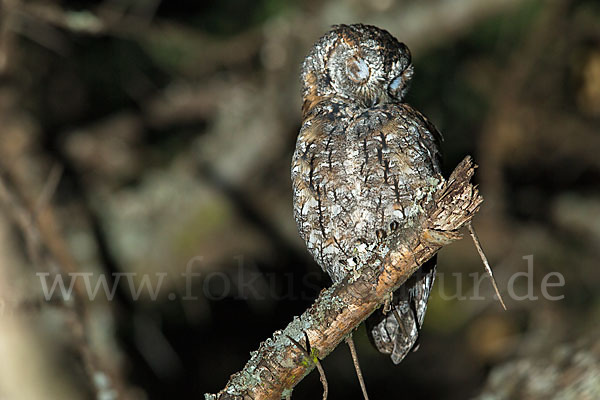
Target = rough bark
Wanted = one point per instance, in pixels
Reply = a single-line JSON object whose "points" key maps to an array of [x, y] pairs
{"points": [[278, 365]]}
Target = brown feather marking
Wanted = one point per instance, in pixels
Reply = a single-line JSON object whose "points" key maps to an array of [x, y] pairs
{"points": [[314, 132], [312, 98]]}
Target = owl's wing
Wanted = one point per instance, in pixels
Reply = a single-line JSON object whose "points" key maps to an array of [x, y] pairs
{"points": [[399, 337], [397, 332]]}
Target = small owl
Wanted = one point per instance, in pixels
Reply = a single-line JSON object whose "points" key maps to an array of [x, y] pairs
{"points": [[365, 165]]}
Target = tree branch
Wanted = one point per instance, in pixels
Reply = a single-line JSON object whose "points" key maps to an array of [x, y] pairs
{"points": [[278, 365]]}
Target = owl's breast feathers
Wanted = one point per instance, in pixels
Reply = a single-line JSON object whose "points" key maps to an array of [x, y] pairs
{"points": [[357, 171]]}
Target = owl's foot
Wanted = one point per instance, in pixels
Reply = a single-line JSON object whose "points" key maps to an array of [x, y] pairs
{"points": [[387, 306]]}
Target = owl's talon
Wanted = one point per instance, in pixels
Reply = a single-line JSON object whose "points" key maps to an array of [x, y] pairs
{"points": [[387, 306]]}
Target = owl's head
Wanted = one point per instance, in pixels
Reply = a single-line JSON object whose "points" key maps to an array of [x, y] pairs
{"points": [[360, 63]]}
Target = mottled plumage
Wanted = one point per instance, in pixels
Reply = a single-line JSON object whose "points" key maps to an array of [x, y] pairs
{"points": [[365, 164]]}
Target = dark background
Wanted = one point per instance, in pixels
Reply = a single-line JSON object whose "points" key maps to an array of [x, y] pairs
{"points": [[168, 128]]}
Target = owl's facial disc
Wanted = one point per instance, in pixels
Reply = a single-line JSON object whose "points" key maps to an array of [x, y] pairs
{"points": [[353, 72]]}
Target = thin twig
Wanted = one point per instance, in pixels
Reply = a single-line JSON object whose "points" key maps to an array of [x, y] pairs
{"points": [[488, 269], [23, 219], [399, 320], [306, 352], [49, 188], [363, 387]]}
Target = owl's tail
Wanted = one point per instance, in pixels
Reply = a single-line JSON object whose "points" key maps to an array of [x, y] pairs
{"points": [[397, 332]]}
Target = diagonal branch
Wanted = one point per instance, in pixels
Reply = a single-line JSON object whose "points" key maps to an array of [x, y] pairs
{"points": [[278, 365]]}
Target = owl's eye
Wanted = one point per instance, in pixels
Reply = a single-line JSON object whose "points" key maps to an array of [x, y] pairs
{"points": [[358, 70], [399, 85], [396, 84]]}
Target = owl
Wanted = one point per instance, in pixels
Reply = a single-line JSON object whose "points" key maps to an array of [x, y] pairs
{"points": [[365, 165]]}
